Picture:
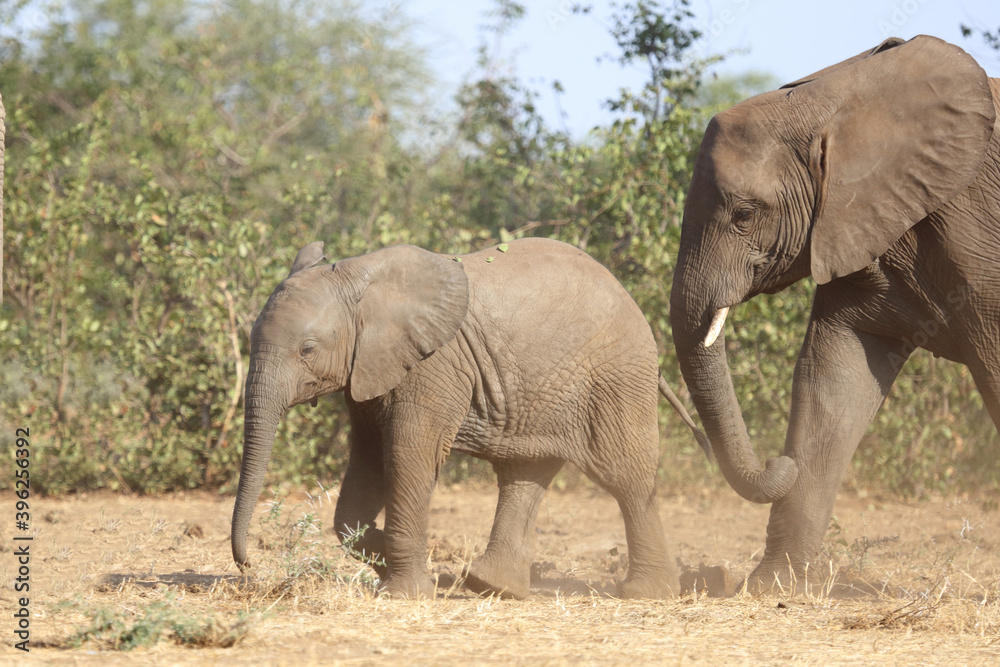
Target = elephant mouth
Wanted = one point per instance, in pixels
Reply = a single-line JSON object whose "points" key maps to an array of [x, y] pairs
{"points": [[312, 398], [312, 390]]}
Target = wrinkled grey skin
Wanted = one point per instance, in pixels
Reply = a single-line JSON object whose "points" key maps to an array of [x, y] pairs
{"points": [[526, 358], [880, 178]]}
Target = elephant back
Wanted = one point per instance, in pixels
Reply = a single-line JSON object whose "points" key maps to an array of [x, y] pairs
{"points": [[550, 302]]}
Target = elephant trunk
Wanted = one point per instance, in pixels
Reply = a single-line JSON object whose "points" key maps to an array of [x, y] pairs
{"points": [[697, 323], [263, 409]]}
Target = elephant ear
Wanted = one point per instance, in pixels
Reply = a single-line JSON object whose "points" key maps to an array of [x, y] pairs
{"points": [[309, 256], [901, 131], [884, 46], [413, 303]]}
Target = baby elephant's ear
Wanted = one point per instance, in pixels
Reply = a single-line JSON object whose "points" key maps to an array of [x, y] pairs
{"points": [[414, 303], [309, 256]]}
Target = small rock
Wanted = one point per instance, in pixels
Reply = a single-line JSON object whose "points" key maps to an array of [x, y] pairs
{"points": [[715, 581], [194, 530]]}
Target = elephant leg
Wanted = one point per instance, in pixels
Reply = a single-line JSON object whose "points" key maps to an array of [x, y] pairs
{"points": [[416, 444], [651, 575], [362, 496], [626, 467], [841, 379], [984, 369], [505, 567]]}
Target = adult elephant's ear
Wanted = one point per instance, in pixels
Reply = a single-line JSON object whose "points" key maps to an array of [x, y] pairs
{"points": [[896, 134], [413, 302], [889, 43]]}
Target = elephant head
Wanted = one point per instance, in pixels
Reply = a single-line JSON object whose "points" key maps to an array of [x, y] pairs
{"points": [[818, 178], [358, 325]]}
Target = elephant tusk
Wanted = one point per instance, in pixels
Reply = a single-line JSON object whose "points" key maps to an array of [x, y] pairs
{"points": [[718, 321]]}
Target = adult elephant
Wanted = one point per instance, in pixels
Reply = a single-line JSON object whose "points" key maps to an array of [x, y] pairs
{"points": [[526, 355], [880, 177]]}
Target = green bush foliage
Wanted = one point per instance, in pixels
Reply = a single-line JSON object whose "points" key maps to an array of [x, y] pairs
{"points": [[166, 160], [164, 620]]}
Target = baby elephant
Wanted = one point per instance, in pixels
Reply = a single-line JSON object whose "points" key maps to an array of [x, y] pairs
{"points": [[526, 355]]}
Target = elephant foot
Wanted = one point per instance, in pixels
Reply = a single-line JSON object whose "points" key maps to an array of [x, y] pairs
{"points": [[506, 582], [826, 583], [412, 587], [657, 586], [366, 545], [784, 580]]}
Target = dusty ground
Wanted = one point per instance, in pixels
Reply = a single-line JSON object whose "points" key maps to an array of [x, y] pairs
{"points": [[107, 569]]}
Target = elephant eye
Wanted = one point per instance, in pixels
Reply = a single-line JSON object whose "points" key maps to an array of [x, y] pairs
{"points": [[307, 348], [743, 215]]}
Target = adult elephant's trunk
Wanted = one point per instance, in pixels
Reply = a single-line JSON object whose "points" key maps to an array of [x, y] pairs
{"points": [[692, 316], [263, 406]]}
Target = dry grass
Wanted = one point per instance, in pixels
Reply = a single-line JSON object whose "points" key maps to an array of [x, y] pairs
{"points": [[134, 574], [340, 623]]}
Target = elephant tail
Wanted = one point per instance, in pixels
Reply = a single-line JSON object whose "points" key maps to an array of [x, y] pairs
{"points": [[682, 411]]}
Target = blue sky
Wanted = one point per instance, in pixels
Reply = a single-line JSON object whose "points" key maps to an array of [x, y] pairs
{"points": [[789, 38]]}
